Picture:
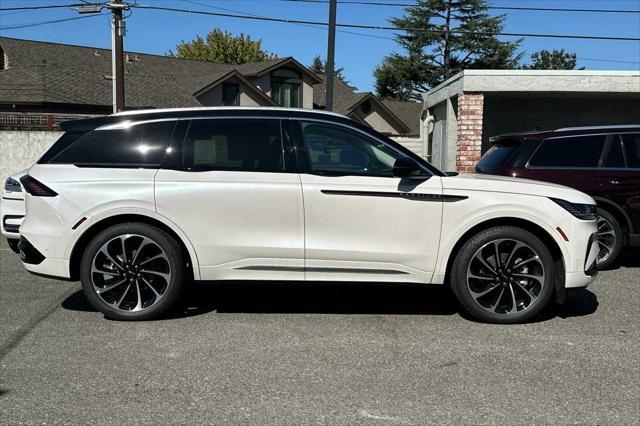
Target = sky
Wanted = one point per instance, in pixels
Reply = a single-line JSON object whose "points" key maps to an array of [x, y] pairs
{"points": [[157, 32]]}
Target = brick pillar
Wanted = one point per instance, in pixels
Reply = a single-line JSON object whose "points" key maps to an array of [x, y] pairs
{"points": [[469, 148]]}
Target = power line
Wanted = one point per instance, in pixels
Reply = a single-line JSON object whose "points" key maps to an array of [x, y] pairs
{"points": [[35, 24], [50, 6], [382, 27], [517, 8], [324, 28]]}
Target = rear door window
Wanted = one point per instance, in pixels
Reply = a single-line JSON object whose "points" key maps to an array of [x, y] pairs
{"points": [[631, 143], [142, 144], [571, 152], [234, 145]]}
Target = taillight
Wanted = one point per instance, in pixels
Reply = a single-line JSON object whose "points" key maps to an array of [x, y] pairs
{"points": [[36, 188]]}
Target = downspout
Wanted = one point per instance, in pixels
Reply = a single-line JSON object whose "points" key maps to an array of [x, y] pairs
{"points": [[427, 129]]}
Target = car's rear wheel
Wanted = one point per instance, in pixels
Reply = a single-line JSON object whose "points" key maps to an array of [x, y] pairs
{"points": [[610, 239], [503, 275], [132, 271]]}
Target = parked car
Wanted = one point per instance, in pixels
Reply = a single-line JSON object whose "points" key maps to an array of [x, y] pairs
{"points": [[12, 209], [602, 161], [137, 204]]}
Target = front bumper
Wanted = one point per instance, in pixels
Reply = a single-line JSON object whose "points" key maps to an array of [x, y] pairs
{"points": [[586, 277]]}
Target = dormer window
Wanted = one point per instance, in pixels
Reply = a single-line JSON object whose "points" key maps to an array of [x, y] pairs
{"points": [[286, 87]]}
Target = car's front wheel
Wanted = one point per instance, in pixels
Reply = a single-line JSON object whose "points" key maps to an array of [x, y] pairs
{"points": [[503, 275], [132, 271]]}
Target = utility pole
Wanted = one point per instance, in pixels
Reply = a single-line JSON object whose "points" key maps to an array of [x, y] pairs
{"points": [[118, 31], [330, 64]]}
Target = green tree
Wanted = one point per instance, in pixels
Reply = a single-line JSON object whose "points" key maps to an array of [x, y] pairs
{"points": [[552, 60], [222, 47], [319, 66], [441, 38]]}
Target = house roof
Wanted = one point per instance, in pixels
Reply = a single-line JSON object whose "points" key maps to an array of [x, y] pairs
{"points": [[235, 74], [44, 72], [408, 112], [345, 101]]}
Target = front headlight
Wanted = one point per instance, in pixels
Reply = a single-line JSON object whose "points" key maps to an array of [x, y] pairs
{"points": [[12, 185], [581, 211]]}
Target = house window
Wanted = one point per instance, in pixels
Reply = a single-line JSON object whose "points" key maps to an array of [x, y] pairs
{"points": [[230, 94], [286, 87]]}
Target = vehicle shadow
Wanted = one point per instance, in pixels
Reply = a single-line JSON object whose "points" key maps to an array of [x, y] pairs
{"points": [[259, 297]]}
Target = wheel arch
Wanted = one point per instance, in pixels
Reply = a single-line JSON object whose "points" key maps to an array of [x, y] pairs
{"points": [[537, 230], [104, 223], [618, 213]]}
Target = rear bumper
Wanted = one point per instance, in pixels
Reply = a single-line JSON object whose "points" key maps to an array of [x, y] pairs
{"points": [[36, 263], [12, 214]]}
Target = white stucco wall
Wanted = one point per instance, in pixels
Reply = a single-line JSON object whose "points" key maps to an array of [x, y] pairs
{"points": [[414, 144], [20, 150]]}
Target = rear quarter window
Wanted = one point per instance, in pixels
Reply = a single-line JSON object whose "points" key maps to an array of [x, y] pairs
{"points": [[572, 152], [138, 145], [498, 155]]}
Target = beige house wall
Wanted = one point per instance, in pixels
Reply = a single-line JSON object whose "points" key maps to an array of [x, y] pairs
{"points": [[377, 121]]}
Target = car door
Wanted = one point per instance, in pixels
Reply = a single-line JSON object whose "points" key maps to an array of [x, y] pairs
{"points": [[361, 222], [620, 177], [228, 187]]}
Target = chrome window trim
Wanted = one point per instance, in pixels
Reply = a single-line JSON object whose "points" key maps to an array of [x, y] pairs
{"points": [[131, 123]]}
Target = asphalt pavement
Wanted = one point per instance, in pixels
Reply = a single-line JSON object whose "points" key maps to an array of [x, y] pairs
{"points": [[339, 354]]}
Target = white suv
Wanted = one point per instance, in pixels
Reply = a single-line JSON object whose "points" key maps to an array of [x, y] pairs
{"points": [[138, 204]]}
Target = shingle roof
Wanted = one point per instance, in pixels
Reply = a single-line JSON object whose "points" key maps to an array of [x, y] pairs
{"points": [[62, 73], [344, 99], [408, 112]]}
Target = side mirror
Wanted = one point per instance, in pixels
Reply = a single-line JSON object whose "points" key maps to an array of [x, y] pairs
{"points": [[406, 168], [451, 173]]}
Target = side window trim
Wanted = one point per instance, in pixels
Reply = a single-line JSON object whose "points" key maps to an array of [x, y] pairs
{"points": [[302, 156]]}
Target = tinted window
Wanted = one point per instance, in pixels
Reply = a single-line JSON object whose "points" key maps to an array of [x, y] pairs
{"points": [[615, 159], [335, 149], [497, 155], [141, 144], [575, 151], [242, 145], [61, 144], [632, 149]]}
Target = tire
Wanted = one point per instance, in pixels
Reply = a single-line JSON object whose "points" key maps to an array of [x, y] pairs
{"points": [[153, 270], [610, 239], [487, 293], [13, 245]]}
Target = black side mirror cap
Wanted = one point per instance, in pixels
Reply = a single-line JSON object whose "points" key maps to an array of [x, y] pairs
{"points": [[451, 173], [406, 168]]}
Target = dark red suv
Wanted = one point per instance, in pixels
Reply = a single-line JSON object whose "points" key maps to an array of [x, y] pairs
{"points": [[602, 161]]}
